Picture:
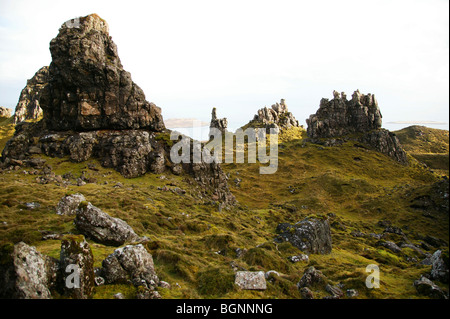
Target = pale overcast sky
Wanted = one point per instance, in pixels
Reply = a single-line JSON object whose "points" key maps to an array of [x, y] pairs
{"points": [[239, 56]]}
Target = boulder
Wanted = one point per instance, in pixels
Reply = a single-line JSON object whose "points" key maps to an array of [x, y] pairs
{"points": [[439, 268], [102, 228], [69, 204], [28, 107], [390, 245], [250, 280], [133, 264], [306, 293], [358, 119], [335, 291], [311, 277], [425, 286], [25, 273], [107, 98], [76, 263], [311, 235]]}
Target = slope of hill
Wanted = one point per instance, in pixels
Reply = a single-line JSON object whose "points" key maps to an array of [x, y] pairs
{"points": [[196, 244], [427, 145]]}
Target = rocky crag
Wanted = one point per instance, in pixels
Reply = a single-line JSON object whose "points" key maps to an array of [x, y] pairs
{"points": [[216, 123], [5, 112], [92, 108], [28, 107], [277, 116], [359, 118]]}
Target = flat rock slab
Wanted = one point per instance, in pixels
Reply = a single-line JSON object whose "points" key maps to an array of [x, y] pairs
{"points": [[251, 280]]}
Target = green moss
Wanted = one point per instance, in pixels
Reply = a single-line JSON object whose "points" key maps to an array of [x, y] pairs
{"points": [[215, 281]]}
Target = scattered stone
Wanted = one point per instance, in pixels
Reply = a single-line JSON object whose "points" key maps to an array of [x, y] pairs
{"points": [[165, 284], [439, 269], [69, 204], [311, 277], [297, 258], [32, 205], [102, 228], [335, 291], [76, 258], [133, 264], [26, 274], [394, 230], [425, 286], [310, 235], [390, 245], [306, 293], [119, 295], [250, 280], [352, 293]]}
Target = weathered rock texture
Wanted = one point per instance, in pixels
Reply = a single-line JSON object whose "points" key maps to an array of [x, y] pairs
{"points": [[92, 108], [358, 119], [88, 88], [76, 259], [277, 116], [310, 235], [102, 228], [28, 107], [250, 280], [220, 124], [5, 112], [68, 204], [26, 274]]}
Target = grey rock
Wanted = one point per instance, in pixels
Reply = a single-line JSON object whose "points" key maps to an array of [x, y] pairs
{"points": [[298, 258], [131, 263], [439, 270], [27, 274], [306, 293], [310, 235], [425, 286], [277, 116], [102, 228], [311, 277], [69, 204], [390, 245], [119, 295], [5, 112], [216, 123], [250, 280], [76, 252], [335, 291], [352, 293]]}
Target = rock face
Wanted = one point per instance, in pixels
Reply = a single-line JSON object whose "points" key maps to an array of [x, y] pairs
{"points": [[76, 267], [5, 112], [91, 108], [29, 107], [310, 235], [26, 274], [250, 280], [68, 204], [220, 124], [277, 116], [102, 228], [88, 87], [439, 269], [340, 118]]}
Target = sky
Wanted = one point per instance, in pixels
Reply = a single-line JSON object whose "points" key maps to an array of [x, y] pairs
{"points": [[239, 56]]}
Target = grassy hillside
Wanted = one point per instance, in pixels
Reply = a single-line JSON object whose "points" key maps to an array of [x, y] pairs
{"points": [[428, 145], [196, 245]]}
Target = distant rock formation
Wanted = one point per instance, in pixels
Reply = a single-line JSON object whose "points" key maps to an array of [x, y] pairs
{"points": [[277, 116], [359, 119], [28, 107], [88, 87], [92, 108], [340, 117], [220, 124], [5, 112]]}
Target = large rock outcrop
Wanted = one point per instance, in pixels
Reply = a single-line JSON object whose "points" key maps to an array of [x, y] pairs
{"points": [[88, 88], [5, 112], [216, 123], [29, 107], [277, 116], [359, 119], [92, 109]]}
